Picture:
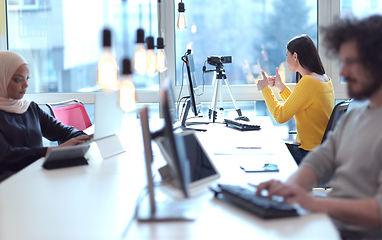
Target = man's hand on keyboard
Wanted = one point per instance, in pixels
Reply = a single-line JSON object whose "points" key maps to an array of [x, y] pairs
{"points": [[291, 192]]}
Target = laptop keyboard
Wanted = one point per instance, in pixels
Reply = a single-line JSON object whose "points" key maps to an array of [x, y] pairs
{"points": [[247, 199]]}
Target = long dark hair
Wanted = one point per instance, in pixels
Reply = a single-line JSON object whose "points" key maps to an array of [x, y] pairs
{"points": [[307, 54]]}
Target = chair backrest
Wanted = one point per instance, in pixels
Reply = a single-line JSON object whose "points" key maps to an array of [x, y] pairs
{"points": [[71, 113], [338, 111]]}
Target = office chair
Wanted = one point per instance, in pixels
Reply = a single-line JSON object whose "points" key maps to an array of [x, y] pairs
{"points": [[71, 113], [338, 111]]}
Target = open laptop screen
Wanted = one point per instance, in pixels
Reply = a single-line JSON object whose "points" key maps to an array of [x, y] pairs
{"points": [[107, 114]]}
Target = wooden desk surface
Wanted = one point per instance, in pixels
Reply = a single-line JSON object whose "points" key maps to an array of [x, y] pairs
{"points": [[98, 201]]}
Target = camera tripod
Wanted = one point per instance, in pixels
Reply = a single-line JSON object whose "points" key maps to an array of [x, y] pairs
{"points": [[219, 75]]}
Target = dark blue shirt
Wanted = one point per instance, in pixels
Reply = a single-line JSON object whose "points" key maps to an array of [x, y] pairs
{"points": [[21, 136]]}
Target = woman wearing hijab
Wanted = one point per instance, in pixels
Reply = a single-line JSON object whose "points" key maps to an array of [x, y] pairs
{"points": [[22, 122], [312, 100]]}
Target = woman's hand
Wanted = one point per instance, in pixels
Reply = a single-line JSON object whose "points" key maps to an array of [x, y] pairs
{"points": [[77, 140], [74, 141], [262, 83], [277, 82]]}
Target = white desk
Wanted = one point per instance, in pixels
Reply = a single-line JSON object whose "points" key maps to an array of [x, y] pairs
{"points": [[98, 201]]}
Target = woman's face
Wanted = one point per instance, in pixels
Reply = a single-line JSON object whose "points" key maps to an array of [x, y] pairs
{"points": [[292, 61], [19, 83]]}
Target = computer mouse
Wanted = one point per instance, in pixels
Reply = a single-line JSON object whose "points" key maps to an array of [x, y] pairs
{"points": [[243, 118]]}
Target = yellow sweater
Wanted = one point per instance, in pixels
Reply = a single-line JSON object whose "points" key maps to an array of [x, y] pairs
{"points": [[311, 104]]}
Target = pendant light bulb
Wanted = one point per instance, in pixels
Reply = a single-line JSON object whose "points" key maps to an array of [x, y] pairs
{"points": [[107, 65], [127, 98], [140, 62], [161, 56], [181, 23], [151, 57]]}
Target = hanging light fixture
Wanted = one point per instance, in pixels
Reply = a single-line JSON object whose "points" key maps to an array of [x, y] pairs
{"points": [[161, 56], [181, 23], [127, 90], [140, 62], [127, 98], [107, 65], [151, 57]]}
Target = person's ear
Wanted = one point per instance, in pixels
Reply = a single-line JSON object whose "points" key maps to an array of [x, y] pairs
{"points": [[295, 57]]}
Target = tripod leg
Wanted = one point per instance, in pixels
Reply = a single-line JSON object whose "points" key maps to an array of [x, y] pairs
{"points": [[238, 110], [221, 99], [213, 97], [218, 84]]}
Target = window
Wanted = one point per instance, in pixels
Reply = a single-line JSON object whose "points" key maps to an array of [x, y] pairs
{"points": [[62, 41], [255, 34], [359, 9]]}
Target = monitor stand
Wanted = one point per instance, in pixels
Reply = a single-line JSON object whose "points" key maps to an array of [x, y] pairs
{"points": [[184, 118], [166, 211]]}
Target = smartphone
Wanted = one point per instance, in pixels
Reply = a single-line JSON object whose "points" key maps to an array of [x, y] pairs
{"points": [[255, 167]]}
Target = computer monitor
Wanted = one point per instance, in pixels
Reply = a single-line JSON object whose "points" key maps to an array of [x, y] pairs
{"points": [[192, 84], [202, 169], [177, 162]]}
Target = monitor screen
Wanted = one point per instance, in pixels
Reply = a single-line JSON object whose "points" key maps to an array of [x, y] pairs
{"points": [[108, 114], [171, 105], [178, 162], [202, 169], [193, 85]]}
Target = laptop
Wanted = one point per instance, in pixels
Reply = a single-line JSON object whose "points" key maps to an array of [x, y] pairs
{"points": [[108, 117], [107, 122]]}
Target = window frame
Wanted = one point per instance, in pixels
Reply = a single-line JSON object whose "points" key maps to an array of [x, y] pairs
{"points": [[327, 11], [24, 7]]}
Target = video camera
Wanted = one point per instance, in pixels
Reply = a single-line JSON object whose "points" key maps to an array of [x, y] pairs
{"points": [[219, 60]]}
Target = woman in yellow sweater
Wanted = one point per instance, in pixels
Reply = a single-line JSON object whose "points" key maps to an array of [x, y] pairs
{"points": [[312, 99]]}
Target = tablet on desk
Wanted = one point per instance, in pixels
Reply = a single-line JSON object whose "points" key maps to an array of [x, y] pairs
{"points": [[70, 156]]}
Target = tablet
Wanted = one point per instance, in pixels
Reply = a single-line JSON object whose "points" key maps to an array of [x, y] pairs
{"points": [[60, 157], [202, 170]]}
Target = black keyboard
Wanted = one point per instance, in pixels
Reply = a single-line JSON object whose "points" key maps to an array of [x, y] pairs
{"points": [[247, 199], [241, 125]]}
